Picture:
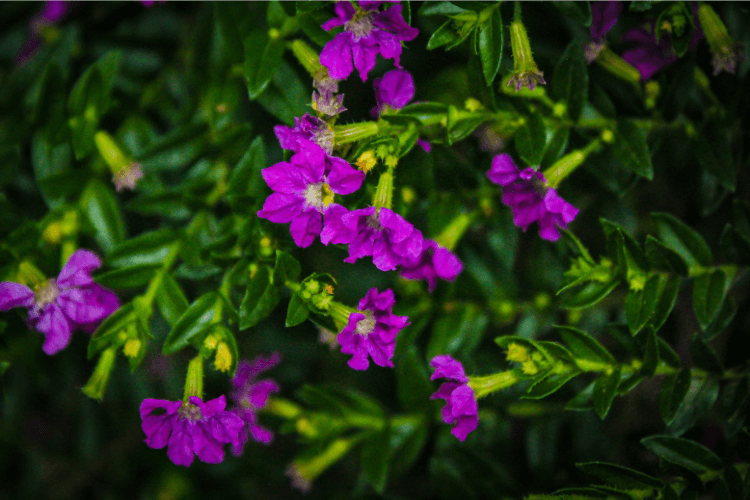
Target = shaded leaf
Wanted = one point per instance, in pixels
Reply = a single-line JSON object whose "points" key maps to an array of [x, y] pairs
{"points": [[674, 388]]}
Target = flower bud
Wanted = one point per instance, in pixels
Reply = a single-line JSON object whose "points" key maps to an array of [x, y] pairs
{"points": [[525, 71], [194, 378], [354, 132], [97, 384], [618, 66], [308, 58], [126, 172], [223, 360], [726, 52]]}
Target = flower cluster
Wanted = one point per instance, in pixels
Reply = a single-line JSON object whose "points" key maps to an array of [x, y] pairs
{"points": [[192, 428], [250, 395], [460, 404], [372, 331], [531, 200], [58, 306]]}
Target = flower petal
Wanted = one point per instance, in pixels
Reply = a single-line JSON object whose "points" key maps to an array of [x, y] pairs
{"points": [[15, 295], [336, 56], [306, 227], [56, 328], [282, 208], [77, 271]]}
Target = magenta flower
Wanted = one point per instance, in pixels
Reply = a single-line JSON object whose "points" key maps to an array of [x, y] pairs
{"points": [[304, 190], [649, 57], [194, 428], [54, 11], [251, 395], [604, 16], [434, 262], [307, 128], [367, 31], [395, 90], [372, 331], [461, 406], [531, 200], [59, 306], [382, 233]]}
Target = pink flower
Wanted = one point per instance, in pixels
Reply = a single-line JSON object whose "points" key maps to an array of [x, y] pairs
{"points": [[251, 395], [59, 306], [461, 406], [194, 428], [434, 262]]}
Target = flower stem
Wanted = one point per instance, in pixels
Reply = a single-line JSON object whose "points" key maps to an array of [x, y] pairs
{"points": [[97, 384], [567, 164], [384, 192], [449, 237], [194, 379], [492, 383]]}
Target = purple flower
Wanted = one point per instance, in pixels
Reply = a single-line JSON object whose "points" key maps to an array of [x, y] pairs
{"points": [[381, 233], [251, 395], [434, 262], [647, 56], [372, 331], [59, 306], [531, 200], [367, 31], [194, 428], [54, 11], [394, 90], [304, 190], [604, 16], [460, 407], [307, 128]]}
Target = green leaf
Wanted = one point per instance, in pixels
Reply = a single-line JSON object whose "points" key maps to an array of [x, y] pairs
{"points": [[491, 45], [297, 312], [100, 206], [531, 139], [107, 333], [263, 57], [663, 258], [170, 299], [556, 145], [734, 405], [735, 247], [413, 386], [461, 329], [685, 453], [640, 304], [51, 163], [631, 148], [310, 24], [198, 317], [444, 35], [708, 294], [714, 152], [722, 320], [583, 401], [128, 277], [462, 123], [285, 97], [375, 458], [147, 248], [549, 384], [700, 399], [704, 356], [674, 388], [605, 390], [585, 347], [408, 438], [243, 186], [667, 354], [589, 295], [571, 81], [651, 352], [669, 288], [578, 11], [619, 476], [681, 238], [287, 269], [260, 299]]}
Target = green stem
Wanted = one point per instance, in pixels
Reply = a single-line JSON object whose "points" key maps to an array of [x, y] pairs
{"points": [[567, 164], [483, 386], [194, 379], [384, 192]]}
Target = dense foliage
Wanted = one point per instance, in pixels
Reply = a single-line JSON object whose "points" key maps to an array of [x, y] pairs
{"points": [[517, 267]]}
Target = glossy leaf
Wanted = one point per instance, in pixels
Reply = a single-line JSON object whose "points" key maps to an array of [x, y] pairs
{"points": [[721, 321], [100, 206], [297, 312], [674, 388], [699, 400], [605, 390], [198, 317], [588, 295], [531, 139], [684, 240], [260, 299], [585, 347], [651, 352], [128, 277], [669, 288], [147, 248], [708, 294], [663, 258], [287, 269], [640, 304], [549, 384], [171, 300], [263, 56], [631, 149], [689, 454], [491, 45], [571, 81], [375, 458]]}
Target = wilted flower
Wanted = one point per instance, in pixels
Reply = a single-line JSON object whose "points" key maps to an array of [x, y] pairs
{"points": [[59, 306], [531, 200], [251, 395], [191, 428], [307, 128], [461, 405], [367, 31], [372, 331], [304, 190]]}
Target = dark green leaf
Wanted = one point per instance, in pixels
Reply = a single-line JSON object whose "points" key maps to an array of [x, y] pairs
{"points": [[722, 320], [578, 11], [674, 388], [620, 476], [699, 401], [704, 356], [285, 97], [556, 145], [243, 185], [583, 401], [100, 206], [651, 352], [297, 312], [631, 149], [550, 384], [106, 334], [589, 295], [260, 299], [128, 277], [310, 24], [685, 453], [669, 288], [198, 317], [440, 8], [663, 258], [408, 438], [287, 269], [667, 354], [491, 45], [375, 459], [681, 238], [445, 34], [605, 390], [735, 247], [640, 304], [571, 81], [171, 300], [463, 123], [262, 58], [460, 329], [734, 405], [708, 294], [714, 152], [413, 382], [531, 139], [585, 347], [147, 248]]}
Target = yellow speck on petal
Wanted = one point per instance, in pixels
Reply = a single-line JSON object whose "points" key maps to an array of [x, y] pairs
{"points": [[223, 359], [132, 347], [366, 161]]}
